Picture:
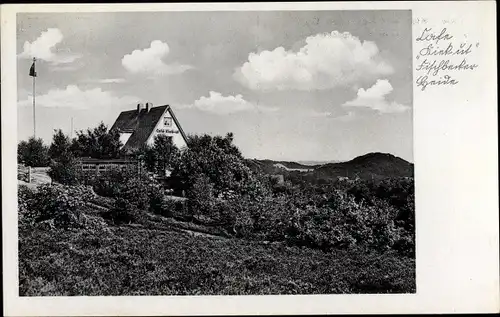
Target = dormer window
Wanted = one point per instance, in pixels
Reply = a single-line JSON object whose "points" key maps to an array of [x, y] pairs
{"points": [[167, 122]]}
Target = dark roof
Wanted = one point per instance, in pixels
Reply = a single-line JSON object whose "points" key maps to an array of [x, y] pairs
{"points": [[141, 126]]}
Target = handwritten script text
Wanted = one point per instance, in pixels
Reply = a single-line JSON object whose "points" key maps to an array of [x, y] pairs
{"points": [[439, 56]]}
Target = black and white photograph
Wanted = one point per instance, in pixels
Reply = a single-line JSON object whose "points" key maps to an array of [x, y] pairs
{"points": [[215, 153], [249, 158]]}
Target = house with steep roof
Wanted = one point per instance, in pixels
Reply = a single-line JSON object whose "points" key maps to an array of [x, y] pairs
{"points": [[139, 127]]}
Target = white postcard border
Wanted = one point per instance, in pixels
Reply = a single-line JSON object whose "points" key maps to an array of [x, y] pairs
{"points": [[456, 178]]}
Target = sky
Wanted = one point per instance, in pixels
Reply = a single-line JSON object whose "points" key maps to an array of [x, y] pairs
{"points": [[290, 85]]}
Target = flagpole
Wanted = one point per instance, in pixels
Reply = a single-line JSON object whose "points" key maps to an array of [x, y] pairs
{"points": [[34, 111]]}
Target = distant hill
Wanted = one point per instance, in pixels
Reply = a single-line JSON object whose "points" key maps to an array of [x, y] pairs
{"points": [[376, 165], [371, 165], [317, 163], [271, 167]]}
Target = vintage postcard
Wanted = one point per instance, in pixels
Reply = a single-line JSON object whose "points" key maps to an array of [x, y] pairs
{"points": [[249, 158]]}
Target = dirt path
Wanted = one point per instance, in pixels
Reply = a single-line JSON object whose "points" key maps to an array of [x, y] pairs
{"points": [[39, 176], [190, 232], [163, 224]]}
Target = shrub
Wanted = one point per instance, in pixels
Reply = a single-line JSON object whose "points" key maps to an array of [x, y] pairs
{"points": [[181, 209], [122, 183], [325, 222], [60, 148], [63, 168], [406, 216], [135, 194], [217, 159], [202, 197], [98, 143], [395, 191], [384, 274], [124, 211], [25, 198], [108, 184], [57, 203], [33, 153], [162, 155], [341, 222], [64, 171], [405, 245], [158, 203], [136, 191]]}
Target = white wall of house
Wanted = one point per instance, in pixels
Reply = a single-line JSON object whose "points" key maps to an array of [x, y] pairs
{"points": [[124, 138], [166, 126]]}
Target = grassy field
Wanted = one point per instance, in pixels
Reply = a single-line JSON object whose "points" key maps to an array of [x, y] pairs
{"points": [[134, 260]]}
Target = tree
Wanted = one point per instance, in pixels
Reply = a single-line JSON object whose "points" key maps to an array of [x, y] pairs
{"points": [[63, 167], [97, 143], [198, 143], [160, 156], [60, 146], [165, 153], [33, 153], [215, 158]]}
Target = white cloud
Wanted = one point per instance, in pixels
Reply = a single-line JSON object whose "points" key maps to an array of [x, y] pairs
{"points": [[375, 98], [150, 61], [73, 97], [44, 48], [67, 67], [347, 117], [327, 114], [224, 105], [320, 114], [326, 60], [111, 81]]}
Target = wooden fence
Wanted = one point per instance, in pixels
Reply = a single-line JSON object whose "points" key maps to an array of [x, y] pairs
{"points": [[24, 173], [99, 166]]}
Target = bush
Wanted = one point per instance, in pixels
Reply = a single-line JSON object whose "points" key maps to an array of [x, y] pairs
{"points": [[158, 203], [140, 192], [33, 153], [64, 172], [131, 262], [161, 156], [126, 184], [384, 274], [136, 190], [324, 222], [215, 158], [124, 211], [341, 222], [98, 143], [57, 203], [108, 184], [135, 194], [25, 197], [202, 197], [395, 191], [60, 148]]}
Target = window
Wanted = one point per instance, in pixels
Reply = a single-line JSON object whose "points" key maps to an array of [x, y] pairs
{"points": [[167, 121]]}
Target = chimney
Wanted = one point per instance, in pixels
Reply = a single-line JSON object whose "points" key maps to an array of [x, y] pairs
{"points": [[149, 105], [139, 108]]}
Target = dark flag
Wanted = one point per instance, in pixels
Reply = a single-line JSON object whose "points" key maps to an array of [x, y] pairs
{"points": [[32, 70]]}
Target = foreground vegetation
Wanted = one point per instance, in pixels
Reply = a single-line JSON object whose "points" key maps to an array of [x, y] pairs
{"points": [[100, 258], [119, 233]]}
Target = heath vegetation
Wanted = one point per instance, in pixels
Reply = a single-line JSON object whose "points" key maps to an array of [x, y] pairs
{"points": [[237, 230]]}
